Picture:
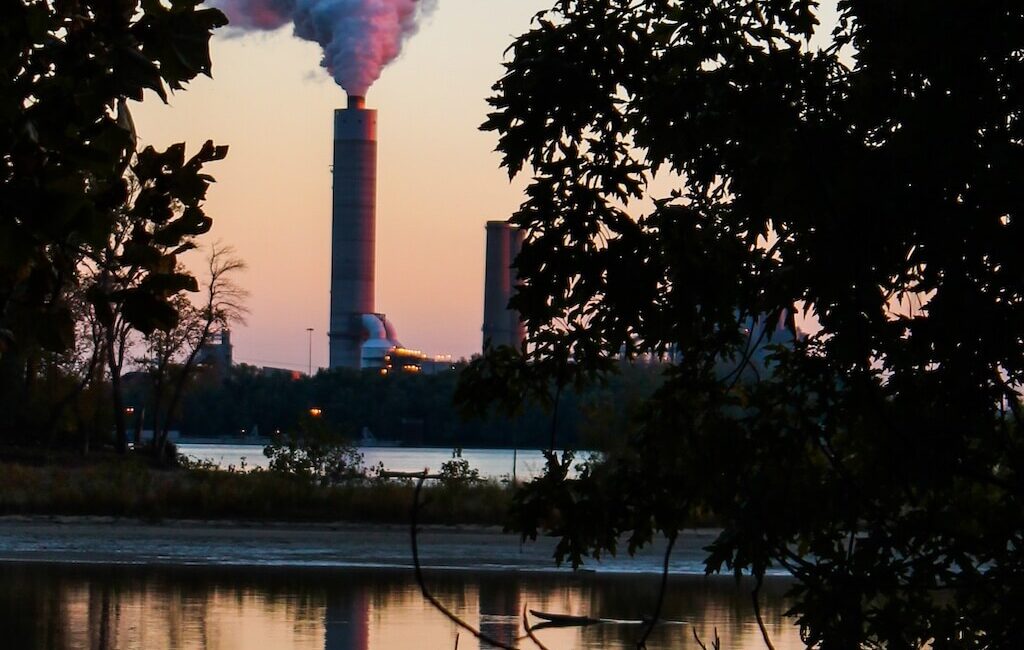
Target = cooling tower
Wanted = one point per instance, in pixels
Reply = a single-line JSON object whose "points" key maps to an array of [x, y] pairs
{"points": [[352, 230], [502, 326]]}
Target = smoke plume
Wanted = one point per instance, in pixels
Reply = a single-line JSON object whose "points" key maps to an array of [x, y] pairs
{"points": [[358, 37]]}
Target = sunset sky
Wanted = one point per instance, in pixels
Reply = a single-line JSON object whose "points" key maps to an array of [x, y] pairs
{"points": [[438, 178]]}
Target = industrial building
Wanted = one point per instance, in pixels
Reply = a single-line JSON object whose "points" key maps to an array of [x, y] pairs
{"points": [[217, 353], [502, 325], [359, 336], [404, 360]]}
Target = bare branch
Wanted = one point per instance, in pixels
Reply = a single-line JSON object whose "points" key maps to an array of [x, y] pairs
{"points": [[642, 643], [754, 597], [414, 527], [716, 644]]}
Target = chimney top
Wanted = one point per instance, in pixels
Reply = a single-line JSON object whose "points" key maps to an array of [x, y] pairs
{"points": [[356, 101]]}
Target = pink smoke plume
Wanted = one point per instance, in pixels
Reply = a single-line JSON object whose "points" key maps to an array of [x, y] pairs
{"points": [[358, 37]]}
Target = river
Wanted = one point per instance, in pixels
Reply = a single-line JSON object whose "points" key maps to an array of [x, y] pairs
{"points": [[86, 607], [492, 463], [109, 584]]}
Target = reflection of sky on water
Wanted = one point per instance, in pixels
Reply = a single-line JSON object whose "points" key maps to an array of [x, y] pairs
{"points": [[80, 608]]}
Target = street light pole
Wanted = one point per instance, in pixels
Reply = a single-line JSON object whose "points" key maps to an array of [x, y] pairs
{"points": [[309, 370]]}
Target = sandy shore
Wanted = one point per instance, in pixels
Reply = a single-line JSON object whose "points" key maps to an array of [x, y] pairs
{"points": [[102, 540]]}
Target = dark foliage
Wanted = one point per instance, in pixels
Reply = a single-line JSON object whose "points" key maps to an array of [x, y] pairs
{"points": [[74, 191], [130, 486], [413, 409], [316, 452], [67, 141], [874, 184]]}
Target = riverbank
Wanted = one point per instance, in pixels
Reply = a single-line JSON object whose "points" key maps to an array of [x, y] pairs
{"points": [[523, 464], [113, 541], [130, 488]]}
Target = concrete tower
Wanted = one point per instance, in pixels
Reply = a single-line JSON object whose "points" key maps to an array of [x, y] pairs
{"points": [[352, 230], [502, 326]]}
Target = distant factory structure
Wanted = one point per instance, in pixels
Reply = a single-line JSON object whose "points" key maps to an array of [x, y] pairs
{"points": [[359, 336], [502, 325], [217, 353], [405, 360]]}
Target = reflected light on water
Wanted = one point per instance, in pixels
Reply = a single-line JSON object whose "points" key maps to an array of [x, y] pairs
{"points": [[82, 608]]}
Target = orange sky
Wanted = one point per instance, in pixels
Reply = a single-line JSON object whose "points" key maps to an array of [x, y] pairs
{"points": [[438, 178]]}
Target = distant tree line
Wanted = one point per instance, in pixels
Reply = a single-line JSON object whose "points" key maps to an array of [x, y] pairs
{"points": [[414, 409]]}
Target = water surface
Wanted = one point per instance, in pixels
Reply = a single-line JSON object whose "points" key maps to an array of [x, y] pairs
{"points": [[120, 608], [492, 463]]}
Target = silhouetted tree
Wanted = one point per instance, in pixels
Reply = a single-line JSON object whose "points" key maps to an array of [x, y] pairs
{"points": [[170, 357], [874, 183], [67, 155], [134, 278]]}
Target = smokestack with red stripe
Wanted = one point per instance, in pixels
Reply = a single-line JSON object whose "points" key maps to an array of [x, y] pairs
{"points": [[353, 228]]}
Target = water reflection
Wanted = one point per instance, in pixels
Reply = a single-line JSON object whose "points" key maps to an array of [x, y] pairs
{"points": [[83, 608]]}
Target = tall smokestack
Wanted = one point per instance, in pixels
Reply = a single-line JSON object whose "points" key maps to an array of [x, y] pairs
{"points": [[516, 237], [352, 230], [502, 326]]}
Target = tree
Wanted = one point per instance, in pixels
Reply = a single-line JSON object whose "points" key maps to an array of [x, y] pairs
{"points": [[133, 278], [171, 356], [162, 356], [67, 150], [316, 452], [872, 183]]}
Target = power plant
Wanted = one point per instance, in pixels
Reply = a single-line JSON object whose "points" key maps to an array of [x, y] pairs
{"points": [[359, 337]]}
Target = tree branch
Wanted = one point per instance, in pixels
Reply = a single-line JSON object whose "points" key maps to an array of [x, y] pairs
{"points": [[414, 517], [757, 612], [529, 631], [642, 642]]}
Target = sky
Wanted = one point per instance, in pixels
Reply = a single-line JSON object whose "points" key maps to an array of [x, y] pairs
{"points": [[439, 179]]}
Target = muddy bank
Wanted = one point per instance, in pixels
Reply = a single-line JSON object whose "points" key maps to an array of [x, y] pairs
{"points": [[102, 540]]}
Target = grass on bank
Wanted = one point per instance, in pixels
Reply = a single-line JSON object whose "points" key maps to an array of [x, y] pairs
{"points": [[131, 488]]}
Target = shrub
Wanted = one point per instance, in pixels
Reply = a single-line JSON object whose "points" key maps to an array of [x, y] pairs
{"points": [[315, 452], [457, 472]]}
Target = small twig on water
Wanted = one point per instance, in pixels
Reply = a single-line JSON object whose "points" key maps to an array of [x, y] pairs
{"points": [[715, 645], [642, 643], [423, 585]]}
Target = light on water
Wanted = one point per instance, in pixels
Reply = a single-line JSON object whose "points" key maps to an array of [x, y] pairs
{"points": [[83, 608], [121, 586]]}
